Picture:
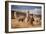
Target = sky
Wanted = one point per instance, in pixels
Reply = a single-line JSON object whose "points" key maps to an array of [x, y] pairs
{"points": [[24, 7], [33, 9]]}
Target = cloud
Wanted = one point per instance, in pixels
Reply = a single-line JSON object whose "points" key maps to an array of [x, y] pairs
{"points": [[36, 11]]}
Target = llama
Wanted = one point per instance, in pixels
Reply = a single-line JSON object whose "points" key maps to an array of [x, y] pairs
{"points": [[21, 18]]}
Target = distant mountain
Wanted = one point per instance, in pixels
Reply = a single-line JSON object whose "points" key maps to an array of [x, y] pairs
{"points": [[34, 11]]}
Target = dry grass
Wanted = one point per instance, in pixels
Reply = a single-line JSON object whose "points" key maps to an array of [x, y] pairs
{"points": [[17, 24]]}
